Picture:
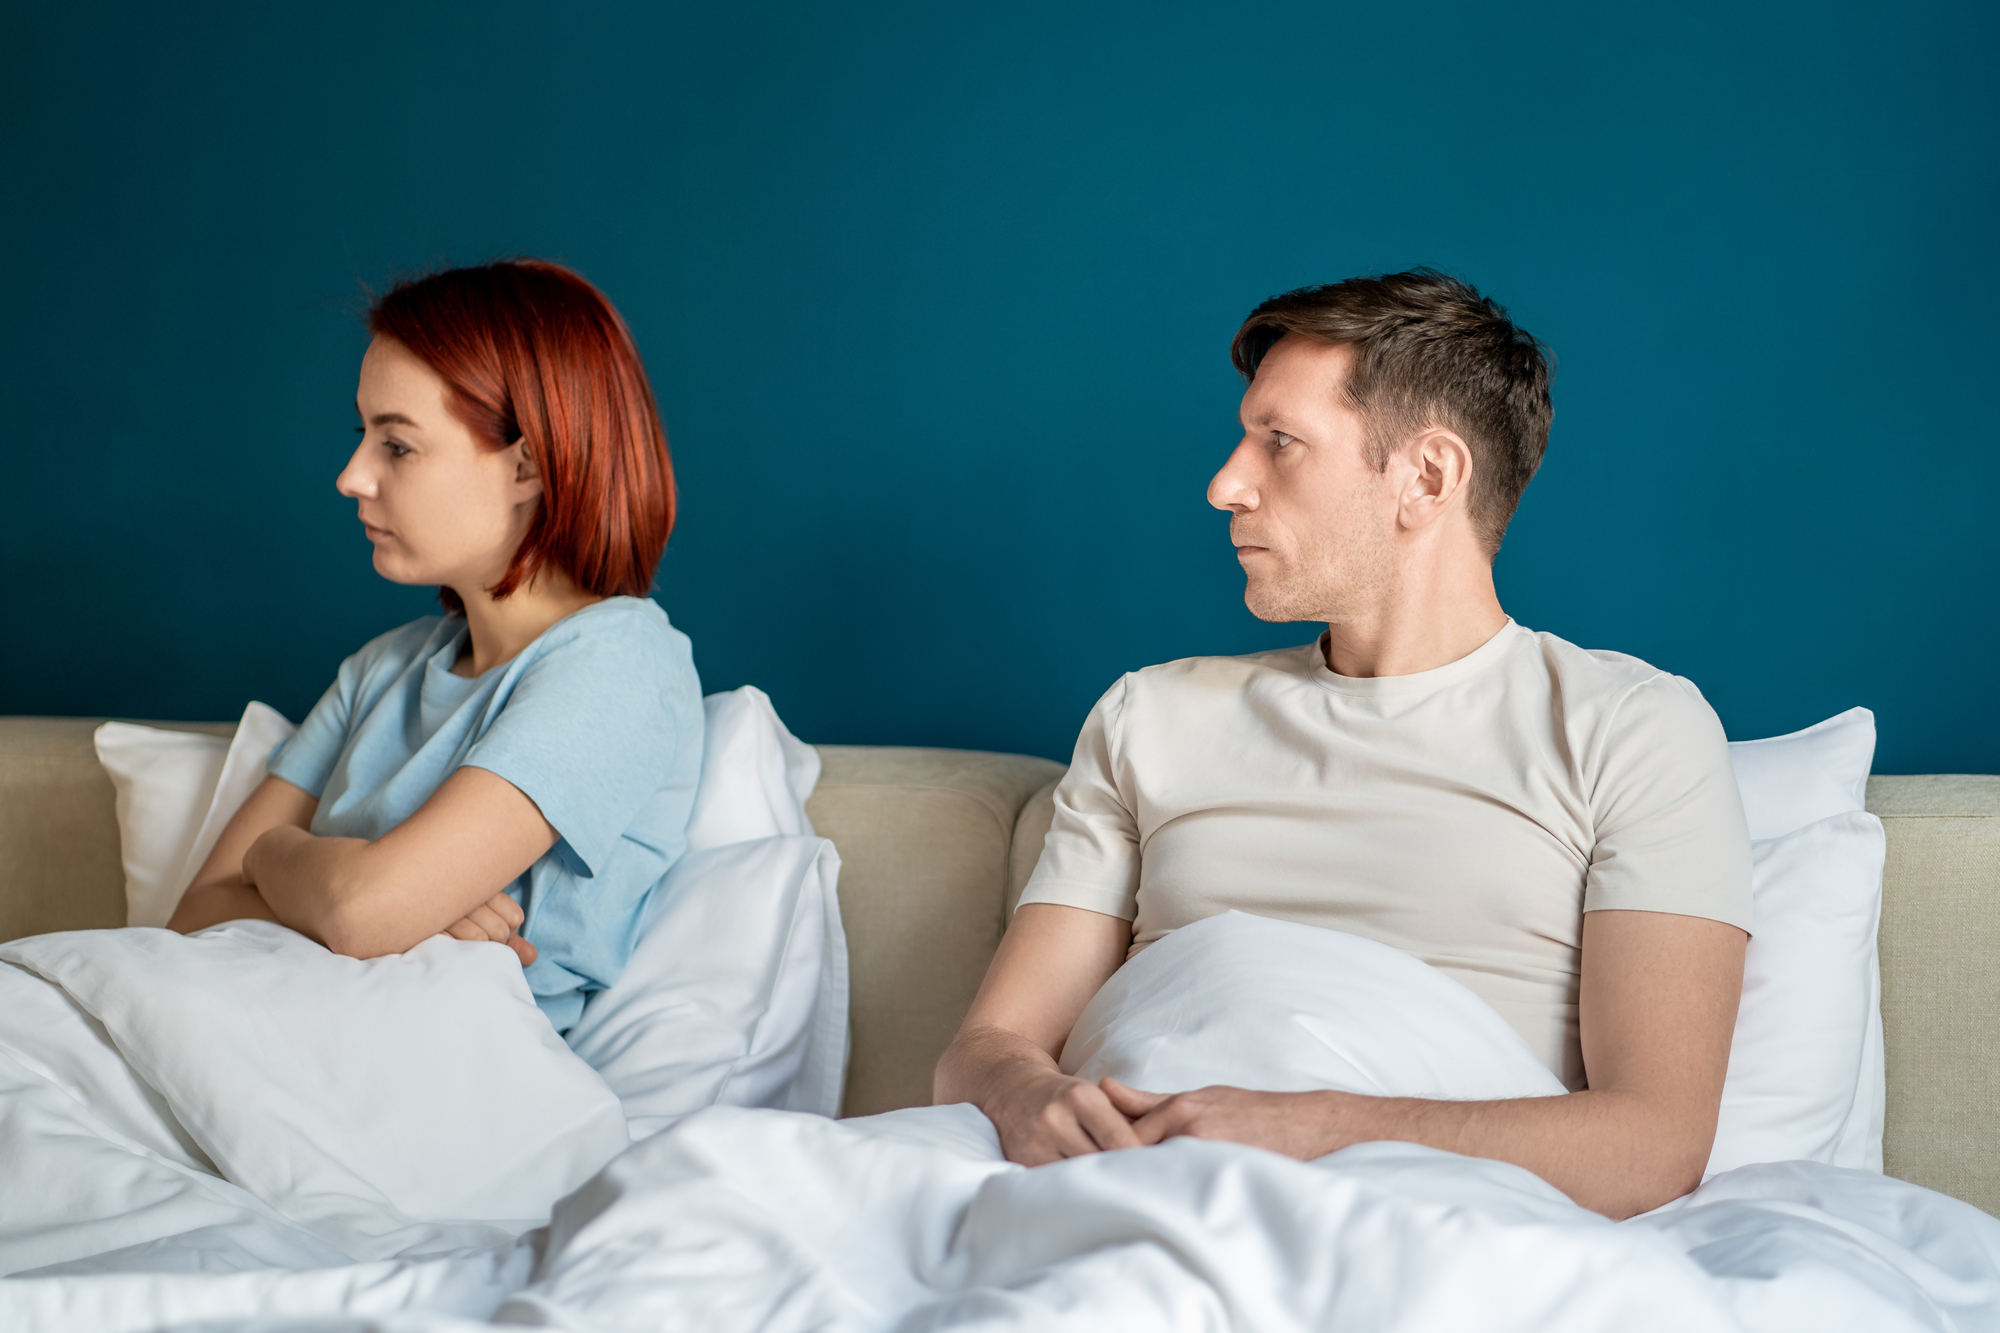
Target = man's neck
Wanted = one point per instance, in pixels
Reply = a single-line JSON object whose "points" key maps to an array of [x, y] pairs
{"points": [[1421, 625]]}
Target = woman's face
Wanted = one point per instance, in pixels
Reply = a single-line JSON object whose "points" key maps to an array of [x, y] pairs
{"points": [[440, 508]]}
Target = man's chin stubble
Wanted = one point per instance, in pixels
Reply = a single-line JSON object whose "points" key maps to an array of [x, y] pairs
{"points": [[1283, 606]]}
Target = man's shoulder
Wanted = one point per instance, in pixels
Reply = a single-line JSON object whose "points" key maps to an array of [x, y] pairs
{"points": [[1189, 676], [1607, 685]]}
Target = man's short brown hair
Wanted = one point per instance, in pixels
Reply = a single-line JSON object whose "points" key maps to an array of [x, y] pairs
{"points": [[1428, 351]]}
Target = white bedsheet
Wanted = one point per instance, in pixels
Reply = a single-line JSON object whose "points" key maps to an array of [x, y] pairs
{"points": [[783, 1222], [752, 1220], [341, 1098], [780, 1222]]}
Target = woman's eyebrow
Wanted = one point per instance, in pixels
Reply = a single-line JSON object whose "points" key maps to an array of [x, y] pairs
{"points": [[390, 419]]}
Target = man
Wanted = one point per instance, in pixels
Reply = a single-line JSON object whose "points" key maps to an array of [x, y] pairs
{"points": [[1557, 829]]}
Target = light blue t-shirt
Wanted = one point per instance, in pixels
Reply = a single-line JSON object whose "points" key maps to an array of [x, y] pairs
{"points": [[598, 722]]}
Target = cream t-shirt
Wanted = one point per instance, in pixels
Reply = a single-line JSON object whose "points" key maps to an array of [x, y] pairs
{"points": [[1468, 816]]}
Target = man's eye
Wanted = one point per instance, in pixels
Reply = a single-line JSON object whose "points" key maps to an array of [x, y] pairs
{"points": [[1282, 438]]}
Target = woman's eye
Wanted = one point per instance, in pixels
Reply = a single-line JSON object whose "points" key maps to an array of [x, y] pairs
{"points": [[395, 450]]}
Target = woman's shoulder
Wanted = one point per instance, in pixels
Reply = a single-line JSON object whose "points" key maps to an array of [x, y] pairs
{"points": [[397, 648], [631, 630]]}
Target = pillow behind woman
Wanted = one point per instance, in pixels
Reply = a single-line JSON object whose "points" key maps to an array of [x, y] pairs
{"points": [[520, 769]]}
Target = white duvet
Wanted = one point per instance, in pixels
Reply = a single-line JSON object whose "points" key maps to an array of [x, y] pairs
{"points": [[112, 1215]]}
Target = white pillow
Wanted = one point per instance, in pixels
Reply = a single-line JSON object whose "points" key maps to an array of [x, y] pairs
{"points": [[1788, 782], [737, 992], [1254, 1002], [425, 1082], [755, 775], [1806, 1076], [176, 790]]}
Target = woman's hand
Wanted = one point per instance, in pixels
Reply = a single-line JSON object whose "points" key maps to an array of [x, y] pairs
{"points": [[496, 919]]}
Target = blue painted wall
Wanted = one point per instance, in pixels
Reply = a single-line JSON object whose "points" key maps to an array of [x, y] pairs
{"points": [[937, 298]]}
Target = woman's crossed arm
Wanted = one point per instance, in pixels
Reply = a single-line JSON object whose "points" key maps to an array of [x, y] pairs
{"points": [[445, 868]]}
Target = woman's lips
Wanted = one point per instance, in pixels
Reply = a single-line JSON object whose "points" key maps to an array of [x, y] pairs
{"points": [[375, 534]]}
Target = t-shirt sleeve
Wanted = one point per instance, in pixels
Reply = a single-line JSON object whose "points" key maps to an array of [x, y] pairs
{"points": [[593, 731], [1671, 835], [1091, 857], [308, 758]]}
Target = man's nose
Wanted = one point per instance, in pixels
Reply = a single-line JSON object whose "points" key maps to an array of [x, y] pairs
{"points": [[1234, 488]]}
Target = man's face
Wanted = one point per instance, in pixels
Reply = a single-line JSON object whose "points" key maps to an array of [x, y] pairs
{"points": [[1313, 524]]}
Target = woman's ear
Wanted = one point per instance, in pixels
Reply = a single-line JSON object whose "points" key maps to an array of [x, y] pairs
{"points": [[527, 477]]}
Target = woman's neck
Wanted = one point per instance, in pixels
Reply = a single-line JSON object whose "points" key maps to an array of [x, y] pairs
{"points": [[500, 629]]}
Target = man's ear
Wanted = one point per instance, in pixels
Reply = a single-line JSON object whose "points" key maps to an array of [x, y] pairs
{"points": [[1440, 472]]}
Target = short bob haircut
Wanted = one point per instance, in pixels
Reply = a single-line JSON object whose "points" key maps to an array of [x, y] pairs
{"points": [[533, 352]]}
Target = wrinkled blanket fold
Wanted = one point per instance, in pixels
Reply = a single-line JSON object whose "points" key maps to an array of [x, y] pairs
{"points": [[115, 1218]]}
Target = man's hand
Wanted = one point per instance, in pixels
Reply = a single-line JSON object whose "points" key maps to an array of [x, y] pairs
{"points": [[1304, 1125], [1004, 1059], [496, 919], [1044, 1116]]}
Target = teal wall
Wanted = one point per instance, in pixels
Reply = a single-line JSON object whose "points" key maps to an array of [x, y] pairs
{"points": [[937, 301]]}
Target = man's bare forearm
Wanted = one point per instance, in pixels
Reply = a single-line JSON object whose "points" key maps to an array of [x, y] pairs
{"points": [[979, 1059], [1618, 1153]]}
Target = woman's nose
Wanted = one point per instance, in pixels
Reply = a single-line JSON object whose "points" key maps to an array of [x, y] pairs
{"points": [[355, 481]]}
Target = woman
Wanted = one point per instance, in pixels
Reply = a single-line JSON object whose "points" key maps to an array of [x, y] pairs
{"points": [[525, 764]]}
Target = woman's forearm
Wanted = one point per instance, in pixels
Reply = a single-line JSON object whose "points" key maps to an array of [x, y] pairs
{"points": [[316, 886], [473, 837], [208, 905]]}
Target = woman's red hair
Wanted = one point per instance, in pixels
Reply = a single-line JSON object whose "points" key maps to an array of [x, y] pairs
{"points": [[533, 352]]}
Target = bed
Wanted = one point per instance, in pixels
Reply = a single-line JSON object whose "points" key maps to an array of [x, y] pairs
{"points": [[936, 844]]}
